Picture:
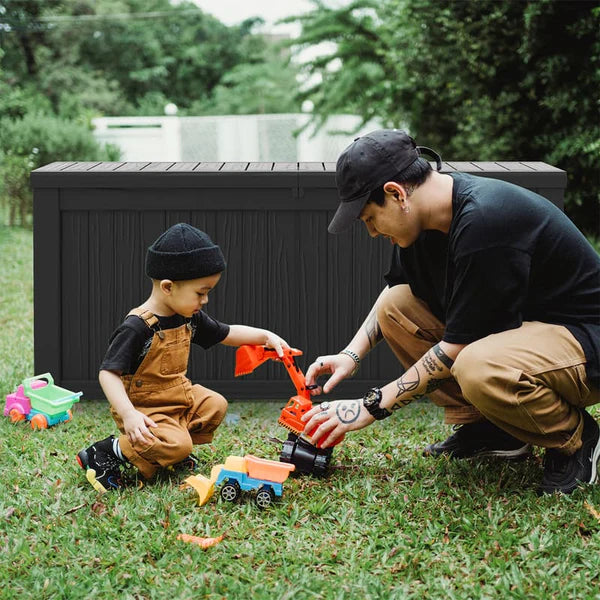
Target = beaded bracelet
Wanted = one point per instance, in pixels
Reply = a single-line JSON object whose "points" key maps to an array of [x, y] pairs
{"points": [[354, 357]]}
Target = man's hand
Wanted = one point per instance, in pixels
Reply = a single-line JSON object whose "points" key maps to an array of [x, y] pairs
{"points": [[330, 420], [339, 366], [136, 426]]}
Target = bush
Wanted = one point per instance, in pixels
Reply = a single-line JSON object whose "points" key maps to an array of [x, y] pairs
{"points": [[32, 141]]}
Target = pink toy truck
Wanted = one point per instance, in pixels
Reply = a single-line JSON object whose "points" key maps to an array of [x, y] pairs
{"points": [[41, 402]]}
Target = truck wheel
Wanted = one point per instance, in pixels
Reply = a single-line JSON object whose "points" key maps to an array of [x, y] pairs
{"points": [[230, 492], [321, 464], [16, 415], [287, 451], [265, 497], [39, 421]]}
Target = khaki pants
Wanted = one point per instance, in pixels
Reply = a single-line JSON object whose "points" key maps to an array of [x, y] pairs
{"points": [[529, 381]]}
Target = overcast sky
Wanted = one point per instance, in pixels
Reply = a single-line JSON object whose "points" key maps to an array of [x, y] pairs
{"points": [[232, 12]]}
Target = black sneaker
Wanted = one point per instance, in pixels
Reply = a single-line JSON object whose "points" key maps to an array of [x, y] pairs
{"points": [[102, 465], [562, 472], [189, 463], [478, 439]]}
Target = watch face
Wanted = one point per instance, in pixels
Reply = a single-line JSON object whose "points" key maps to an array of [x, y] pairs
{"points": [[370, 398]]}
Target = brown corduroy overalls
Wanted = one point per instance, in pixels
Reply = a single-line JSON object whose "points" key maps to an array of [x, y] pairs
{"points": [[185, 414]]}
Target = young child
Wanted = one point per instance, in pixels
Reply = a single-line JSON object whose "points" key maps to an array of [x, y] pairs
{"points": [[157, 409]]}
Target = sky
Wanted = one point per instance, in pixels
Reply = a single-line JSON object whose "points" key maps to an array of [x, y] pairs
{"points": [[232, 12]]}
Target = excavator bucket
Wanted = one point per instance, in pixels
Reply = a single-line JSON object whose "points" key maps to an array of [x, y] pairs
{"points": [[247, 358], [204, 486]]}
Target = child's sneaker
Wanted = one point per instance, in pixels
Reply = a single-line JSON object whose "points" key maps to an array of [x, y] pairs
{"points": [[190, 463], [102, 465]]}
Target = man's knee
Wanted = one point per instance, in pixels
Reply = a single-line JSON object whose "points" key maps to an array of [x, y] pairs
{"points": [[392, 306], [467, 370], [482, 377]]}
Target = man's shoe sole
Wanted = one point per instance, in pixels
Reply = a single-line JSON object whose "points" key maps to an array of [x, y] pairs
{"points": [[595, 457]]}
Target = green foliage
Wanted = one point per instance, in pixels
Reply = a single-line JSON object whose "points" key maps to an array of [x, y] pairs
{"points": [[16, 308], [35, 140], [131, 57], [258, 87], [477, 80]]}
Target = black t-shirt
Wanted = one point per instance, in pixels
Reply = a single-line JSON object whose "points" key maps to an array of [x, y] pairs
{"points": [[130, 342], [509, 256]]}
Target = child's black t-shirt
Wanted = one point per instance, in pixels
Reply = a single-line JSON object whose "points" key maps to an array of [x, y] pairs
{"points": [[509, 256], [130, 342]]}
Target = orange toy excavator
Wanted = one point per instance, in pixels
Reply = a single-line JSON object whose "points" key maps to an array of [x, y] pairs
{"points": [[297, 449]]}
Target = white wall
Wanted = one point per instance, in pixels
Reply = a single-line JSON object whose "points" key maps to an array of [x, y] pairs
{"points": [[243, 138]]}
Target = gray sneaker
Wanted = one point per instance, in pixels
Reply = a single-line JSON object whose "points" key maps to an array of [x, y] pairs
{"points": [[564, 473]]}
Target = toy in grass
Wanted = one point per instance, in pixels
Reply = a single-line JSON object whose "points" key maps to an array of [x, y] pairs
{"points": [[203, 542], [298, 448], [243, 473], [41, 402]]}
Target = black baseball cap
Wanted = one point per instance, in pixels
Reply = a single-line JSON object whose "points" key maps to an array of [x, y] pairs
{"points": [[366, 164]]}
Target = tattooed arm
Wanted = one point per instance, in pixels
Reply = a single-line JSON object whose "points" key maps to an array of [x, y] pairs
{"points": [[425, 376]]}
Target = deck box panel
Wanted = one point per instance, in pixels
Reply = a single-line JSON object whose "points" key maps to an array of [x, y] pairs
{"points": [[93, 223]]}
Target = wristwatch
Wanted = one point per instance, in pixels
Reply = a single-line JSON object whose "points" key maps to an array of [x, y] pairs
{"points": [[371, 402]]}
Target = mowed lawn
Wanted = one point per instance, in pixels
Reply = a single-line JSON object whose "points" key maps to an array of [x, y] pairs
{"points": [[385, 523]]}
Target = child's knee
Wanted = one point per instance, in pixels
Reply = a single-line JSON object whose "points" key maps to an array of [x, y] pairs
{"points": [[211, 407], [170, 447], [218, 408]]}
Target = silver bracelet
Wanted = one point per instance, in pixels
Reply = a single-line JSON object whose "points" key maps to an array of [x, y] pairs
{"points": [[354, 357]]}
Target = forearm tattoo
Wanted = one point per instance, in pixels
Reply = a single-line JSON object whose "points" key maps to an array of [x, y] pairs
{"points": [[448, 362], [435, 362], [348, 411], [372, 330]]}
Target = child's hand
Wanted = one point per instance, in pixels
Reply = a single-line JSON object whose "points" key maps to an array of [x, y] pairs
{"points": [[136, 426], [274, 341]]}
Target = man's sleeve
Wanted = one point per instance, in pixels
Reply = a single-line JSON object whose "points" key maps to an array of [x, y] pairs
{"points": [[488, 294]]}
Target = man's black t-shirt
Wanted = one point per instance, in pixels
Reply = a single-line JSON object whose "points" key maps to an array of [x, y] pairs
{"points": [[509, 256], [131, 341]]}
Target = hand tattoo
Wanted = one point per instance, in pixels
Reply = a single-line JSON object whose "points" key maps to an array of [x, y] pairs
{"points": [[348, 411]]}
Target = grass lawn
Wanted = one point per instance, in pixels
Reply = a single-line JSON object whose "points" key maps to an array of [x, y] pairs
{"points": [[386, 523]]}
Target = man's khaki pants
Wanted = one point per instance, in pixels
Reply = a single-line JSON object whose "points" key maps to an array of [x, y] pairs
{"points": [[529, 381]]}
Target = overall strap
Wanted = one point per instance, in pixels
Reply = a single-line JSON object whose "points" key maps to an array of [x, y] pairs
{"points": [[148, 317]]}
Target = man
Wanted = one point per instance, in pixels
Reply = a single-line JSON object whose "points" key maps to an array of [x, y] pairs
{"points": [[492, 307]]}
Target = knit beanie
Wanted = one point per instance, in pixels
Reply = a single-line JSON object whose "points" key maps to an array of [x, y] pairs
{"points": [[183, 252]]}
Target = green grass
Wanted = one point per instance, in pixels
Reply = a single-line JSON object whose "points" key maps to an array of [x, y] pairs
{"points": [[386, 523]]}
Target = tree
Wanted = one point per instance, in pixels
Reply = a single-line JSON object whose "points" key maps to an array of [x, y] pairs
{"points": [[478, 80], [266, 85]]}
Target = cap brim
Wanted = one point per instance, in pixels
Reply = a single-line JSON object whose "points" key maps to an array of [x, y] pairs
{"points": [[347, 213]]}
